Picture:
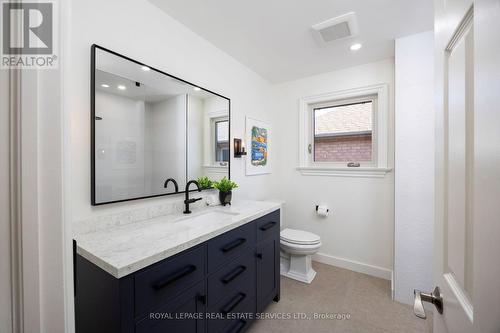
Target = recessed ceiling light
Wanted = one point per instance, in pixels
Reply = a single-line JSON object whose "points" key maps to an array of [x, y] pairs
{"points": [[121, 87], [355, 47], [145, 68], [104, 85], [197, 88]]}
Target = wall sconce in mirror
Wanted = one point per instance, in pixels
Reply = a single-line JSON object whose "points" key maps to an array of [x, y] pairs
{"points": [[239, 148]]}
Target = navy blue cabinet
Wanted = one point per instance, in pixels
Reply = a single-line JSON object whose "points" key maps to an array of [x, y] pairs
{"points": [[267, 273], [268, 258], [215, 287]]}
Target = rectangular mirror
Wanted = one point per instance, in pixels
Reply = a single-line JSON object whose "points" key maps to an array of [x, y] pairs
{"points": [[148, 126]]}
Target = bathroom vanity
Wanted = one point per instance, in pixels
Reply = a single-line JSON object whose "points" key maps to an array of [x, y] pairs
{"points": [[155, 269], [209, 272]]}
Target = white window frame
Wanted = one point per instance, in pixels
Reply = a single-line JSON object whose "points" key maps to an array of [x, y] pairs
{"points": [[379, 166], [209, 120], [337, 103], [213, 122]]}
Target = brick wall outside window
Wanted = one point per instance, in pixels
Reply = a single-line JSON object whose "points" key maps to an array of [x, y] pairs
{"points": [[349, 148]]}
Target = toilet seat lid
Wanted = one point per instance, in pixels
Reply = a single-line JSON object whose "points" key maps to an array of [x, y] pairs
{"points": [[295, 236]]}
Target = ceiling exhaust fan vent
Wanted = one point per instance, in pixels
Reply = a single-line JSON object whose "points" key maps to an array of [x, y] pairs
{"points": [[337, 28]]}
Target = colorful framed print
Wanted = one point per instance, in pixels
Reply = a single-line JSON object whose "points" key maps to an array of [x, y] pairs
{"points": [[258, 134]]}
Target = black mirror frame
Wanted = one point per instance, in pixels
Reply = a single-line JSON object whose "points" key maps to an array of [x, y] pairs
{"points": [[93, 49]]}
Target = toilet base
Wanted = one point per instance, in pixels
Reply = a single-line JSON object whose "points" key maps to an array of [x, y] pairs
{"points": [[297, 267]]}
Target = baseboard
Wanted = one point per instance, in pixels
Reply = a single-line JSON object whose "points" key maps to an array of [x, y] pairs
{"points": [[355, 266]]}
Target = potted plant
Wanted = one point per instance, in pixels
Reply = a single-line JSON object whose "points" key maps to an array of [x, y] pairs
{"points": [[225, 187], [205, 182]]}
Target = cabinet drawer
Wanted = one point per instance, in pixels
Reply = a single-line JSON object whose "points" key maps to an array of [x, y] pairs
{"points": [[237, 274], [156, 285], [268, 225], [230, 245], [183, 313], [237, 306]]}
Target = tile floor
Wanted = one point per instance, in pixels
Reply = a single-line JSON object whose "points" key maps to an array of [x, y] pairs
{"points": [[335, 290]]}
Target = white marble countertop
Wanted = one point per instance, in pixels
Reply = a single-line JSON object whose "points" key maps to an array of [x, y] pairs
{"points": [[121, 250]]}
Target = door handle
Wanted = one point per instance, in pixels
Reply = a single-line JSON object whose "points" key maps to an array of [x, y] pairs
{"points": [[435, 298]]}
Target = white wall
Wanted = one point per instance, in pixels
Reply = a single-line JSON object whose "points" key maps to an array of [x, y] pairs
{"points": [[414, 165], [141, 31], [359, 231]]}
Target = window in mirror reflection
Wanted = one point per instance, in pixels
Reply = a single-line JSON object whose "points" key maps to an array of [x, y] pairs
{"points": [[222, 141]]}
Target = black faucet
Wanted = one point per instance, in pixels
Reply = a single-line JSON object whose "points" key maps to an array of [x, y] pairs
{"points": [[189, 201], [173, 181]]}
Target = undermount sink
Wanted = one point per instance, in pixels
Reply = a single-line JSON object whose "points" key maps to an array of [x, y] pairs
{"points": [[211, 215]]}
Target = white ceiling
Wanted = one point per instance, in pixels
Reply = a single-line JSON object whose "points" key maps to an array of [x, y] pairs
{"points": [[274, 38]]}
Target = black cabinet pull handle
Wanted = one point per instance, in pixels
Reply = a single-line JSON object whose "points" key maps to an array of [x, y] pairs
{"points": [[267, 226], [233, 245], [259, 255], [233, 303], [174, 277], [233, 275], [238, 327], [202, 299]]}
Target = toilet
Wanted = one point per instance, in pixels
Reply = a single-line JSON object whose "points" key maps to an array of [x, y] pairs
{"points": [[297, 247]]}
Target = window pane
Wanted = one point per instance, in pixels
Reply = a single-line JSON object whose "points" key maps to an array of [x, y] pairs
{"points": [[343, 133], [222, 141], [222, 130]]}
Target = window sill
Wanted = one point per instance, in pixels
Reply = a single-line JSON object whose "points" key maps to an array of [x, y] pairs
{"points": [[360, 172], [216, 168]]}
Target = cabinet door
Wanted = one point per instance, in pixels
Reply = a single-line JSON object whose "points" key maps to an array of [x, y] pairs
{"points": [[268, 277], [184, 313]]}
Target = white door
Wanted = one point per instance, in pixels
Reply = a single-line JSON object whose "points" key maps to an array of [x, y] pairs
{"points": [[467, 247]]}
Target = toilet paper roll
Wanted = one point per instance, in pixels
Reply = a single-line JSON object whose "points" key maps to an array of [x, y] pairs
{"points": [[322, 210]]}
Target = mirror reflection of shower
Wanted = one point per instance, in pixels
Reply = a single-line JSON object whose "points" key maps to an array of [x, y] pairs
{"points": [[150, 127]]}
